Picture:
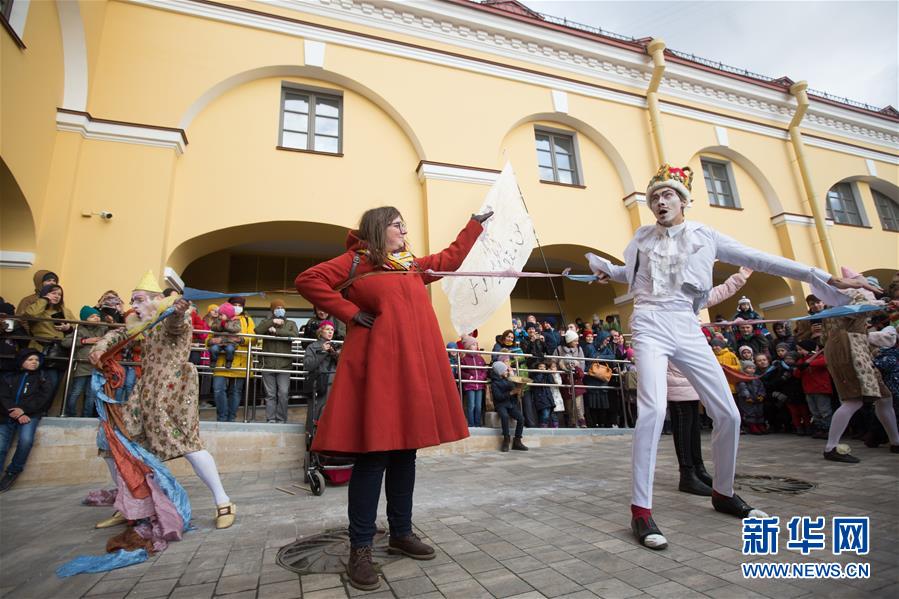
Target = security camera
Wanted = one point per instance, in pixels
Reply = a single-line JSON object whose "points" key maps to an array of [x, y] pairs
{"points": [[106, 215]]}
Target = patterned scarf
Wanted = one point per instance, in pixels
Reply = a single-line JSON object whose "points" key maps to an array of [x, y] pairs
{"points": [[396, 260]]}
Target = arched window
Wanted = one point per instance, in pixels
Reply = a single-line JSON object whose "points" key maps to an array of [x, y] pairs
{"points": [[842, 205], [887, 209]]}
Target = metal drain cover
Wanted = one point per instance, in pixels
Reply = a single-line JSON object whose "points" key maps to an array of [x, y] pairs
{"points": [[327, 553], [773, 484]]}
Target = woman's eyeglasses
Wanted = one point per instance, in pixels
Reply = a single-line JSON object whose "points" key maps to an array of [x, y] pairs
{"points": [[399, 226]]}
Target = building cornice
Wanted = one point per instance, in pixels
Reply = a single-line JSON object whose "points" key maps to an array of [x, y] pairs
{"points": [[90, 127], [618, 63], [443, 171]]}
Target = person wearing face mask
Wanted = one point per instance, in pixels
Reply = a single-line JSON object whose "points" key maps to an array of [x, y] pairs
{"points": [[228, 383], [389, 397], [668, 267], [277, 384]]}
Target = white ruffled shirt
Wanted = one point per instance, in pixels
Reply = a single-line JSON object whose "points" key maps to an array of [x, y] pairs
{"points": [[658, 282]]}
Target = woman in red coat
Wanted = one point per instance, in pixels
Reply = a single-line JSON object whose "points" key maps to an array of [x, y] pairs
{"points": [[392, 392]]}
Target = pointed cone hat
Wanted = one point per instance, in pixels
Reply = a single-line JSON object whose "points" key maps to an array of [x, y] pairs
{"points": [[149, 283]]}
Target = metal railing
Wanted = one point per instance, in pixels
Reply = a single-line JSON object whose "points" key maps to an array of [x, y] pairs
{"points": [[254, 367], [572, 386]]}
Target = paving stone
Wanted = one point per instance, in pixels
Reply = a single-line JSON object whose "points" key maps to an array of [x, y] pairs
{"points": [[199, 577], [445, 573], [152, 588], [502, 583], [412, 587], [613, 588], [235, 584], [470, 589], [334, 593], [280, 590], [197, 591], [550, 582], [117, 586], [316, 582]]}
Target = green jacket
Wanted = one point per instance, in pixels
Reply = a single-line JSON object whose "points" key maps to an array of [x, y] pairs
{"points": [[82, 351], [287, 329]]}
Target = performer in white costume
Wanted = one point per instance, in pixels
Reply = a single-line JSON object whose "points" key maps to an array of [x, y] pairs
{"points": [[668, 267]]}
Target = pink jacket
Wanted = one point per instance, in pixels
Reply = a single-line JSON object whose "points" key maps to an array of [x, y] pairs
{"points": [[679, 388], [473, 374]]}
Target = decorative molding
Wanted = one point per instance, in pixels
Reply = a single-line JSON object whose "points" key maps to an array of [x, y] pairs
{"points": [[461, 26], [133, 133], [827, 144], [560, 101], [778, 303], [11, 259], [721, 136], [314, 53], [171, 277], [456, 172], [872, 168], [789, 218], [74, 50], [446, 22], [624, 299], [634, 198]]}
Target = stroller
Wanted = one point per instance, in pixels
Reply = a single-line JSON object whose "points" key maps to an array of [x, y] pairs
{"points": [[317, 467]]}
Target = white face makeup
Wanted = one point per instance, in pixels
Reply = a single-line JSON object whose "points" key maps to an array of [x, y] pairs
{"points": [[143, 305], [667, 207]]}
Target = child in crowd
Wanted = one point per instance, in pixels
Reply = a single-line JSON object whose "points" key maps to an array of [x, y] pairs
{"points": [[811, 369], [505, 402], [791, 388], [25, 396], [88, 335], [780, 351], [726, 358], [474, 375], [226, 323], [751, 399], [543, 396], [746, 353], [558, 401]]}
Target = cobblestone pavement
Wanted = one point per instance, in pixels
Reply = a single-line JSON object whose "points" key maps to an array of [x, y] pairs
{"points": [[548, 523]]}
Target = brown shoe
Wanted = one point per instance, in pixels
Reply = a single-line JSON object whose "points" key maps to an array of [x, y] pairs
{"points": [[411, 546], [361, 569]]}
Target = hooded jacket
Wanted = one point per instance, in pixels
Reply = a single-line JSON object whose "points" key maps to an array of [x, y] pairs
{"points": [[30, 391], [30, 299]]}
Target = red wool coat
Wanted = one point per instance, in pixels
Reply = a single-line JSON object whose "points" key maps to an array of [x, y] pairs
{"points": [[392, 389]]}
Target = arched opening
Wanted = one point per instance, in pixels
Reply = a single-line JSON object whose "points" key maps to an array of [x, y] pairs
{"points": [[758, 178], [545, 297], [17, 233], [771, 296]]}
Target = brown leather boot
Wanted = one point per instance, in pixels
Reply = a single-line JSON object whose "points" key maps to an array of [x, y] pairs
{"points": [[518, 445], [361, 570], [411, 546], [505, 445]]}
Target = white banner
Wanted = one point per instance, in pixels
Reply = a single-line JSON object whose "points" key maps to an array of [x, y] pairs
{"points": [[506, 244]]}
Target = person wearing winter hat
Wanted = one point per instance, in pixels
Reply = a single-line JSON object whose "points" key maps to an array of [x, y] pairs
{"points": [[25, 397], [87, 337], [505, 401], [571, 360], [751, 400], [224, 336], [41, 278], [474, 375], [670, 285], [856, 380], [745, 312], [47, 334], [277, 384], [163, 411], [745, 353]]}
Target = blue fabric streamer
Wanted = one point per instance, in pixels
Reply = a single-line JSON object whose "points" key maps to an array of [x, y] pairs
{"points": [[102, 563], [839, 311]]}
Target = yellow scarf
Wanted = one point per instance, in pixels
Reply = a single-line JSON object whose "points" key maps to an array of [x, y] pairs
{"points": [[396, 260]]}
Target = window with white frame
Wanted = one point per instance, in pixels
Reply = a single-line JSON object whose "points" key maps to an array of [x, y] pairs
{"points": [[887, 209], [842, 205], [311, 120], [719, 183], [557, 157]]}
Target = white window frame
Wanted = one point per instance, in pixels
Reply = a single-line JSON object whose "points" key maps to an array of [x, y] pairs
{"points": [[859, 206], [575, 155], [731, 182], [890, 199], [312, 93]]}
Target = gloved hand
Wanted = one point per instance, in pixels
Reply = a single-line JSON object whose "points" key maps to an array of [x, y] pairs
{"points": [[482, 217], [364, 318]]}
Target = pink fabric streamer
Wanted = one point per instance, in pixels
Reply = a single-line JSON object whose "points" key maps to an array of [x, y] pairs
{"points": [[100, 497]]}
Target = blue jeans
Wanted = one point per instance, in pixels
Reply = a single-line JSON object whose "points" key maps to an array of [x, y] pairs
{"points": [[77, 385], [124, 392], [547, 416], [509, 409], [26, 440], [226, 404], [474, 399], [365, 492], [216, 349]]}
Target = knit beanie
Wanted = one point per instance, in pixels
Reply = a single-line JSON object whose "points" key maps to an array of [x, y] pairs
{"points": [[52, 275], [237, 300], [786, 346], [570, 336], [277, 303], [227, 310], [744, 364], [87, 311], [211, 308], [468, 340], [25, 353], [742, 347], [500, 367], [718, 343]]}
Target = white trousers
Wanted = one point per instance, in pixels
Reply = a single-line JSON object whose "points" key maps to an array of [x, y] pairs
{"points": [[660, 336]]}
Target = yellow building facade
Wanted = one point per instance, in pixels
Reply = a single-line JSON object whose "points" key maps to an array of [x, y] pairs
{"points": [[233, 144]]}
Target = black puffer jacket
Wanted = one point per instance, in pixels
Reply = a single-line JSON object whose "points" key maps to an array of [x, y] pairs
{"points": [[30, 391]]}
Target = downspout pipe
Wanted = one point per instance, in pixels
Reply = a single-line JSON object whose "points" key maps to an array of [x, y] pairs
{"points": [[802, 103], [656, 49]]}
